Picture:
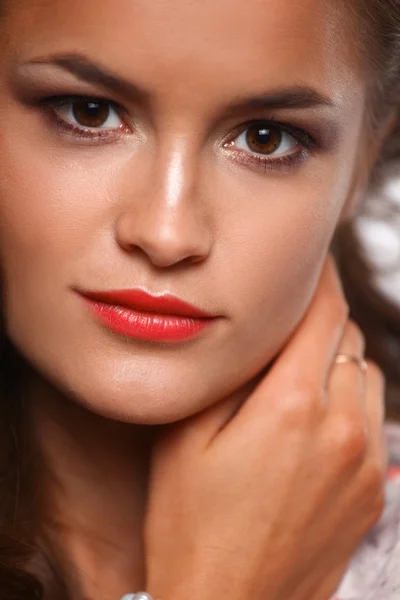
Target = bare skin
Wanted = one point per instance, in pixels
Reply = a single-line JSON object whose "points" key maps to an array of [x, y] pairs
{"points": [[228, 519], [174, 202]]}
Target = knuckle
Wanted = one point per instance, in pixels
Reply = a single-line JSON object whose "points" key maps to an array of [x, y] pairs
{"points": [[373, 478], [350, 440], [376, 509], [302, 406]]}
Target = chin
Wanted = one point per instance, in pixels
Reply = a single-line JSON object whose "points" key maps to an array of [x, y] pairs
{"points": [[154, 397], [142, 406]]}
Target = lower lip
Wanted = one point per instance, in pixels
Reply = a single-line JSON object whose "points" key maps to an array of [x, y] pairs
{"points": [[147, 326]]}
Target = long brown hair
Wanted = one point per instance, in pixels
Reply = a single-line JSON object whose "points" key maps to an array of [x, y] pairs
{"points": [[27, 569], [377, 315]]}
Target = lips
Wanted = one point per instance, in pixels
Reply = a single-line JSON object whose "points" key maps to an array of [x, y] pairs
{"points": [[139, 315]]}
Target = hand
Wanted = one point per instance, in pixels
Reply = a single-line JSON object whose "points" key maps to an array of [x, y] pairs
{"points": [[268, 500]]}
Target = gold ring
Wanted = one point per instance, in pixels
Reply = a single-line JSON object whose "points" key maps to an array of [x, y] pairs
{"points": [[341, 359]]}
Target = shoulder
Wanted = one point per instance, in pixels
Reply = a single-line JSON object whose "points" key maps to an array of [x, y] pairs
{"points": [[374, 571]]}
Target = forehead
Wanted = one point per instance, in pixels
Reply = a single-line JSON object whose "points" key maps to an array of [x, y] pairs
{"points": [[220, 46]]}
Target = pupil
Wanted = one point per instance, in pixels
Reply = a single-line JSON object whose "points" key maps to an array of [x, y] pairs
{"points": [[91, 114], [264, 140], [92, 109], [263, 136]]}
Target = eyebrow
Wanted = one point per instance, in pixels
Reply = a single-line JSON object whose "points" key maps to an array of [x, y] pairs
{"points": [[298, 96], [88, 71]]}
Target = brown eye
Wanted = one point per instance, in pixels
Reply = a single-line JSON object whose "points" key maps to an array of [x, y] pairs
{"points": [[266, 139], [90, 114], [86, 114], [263, 139]]}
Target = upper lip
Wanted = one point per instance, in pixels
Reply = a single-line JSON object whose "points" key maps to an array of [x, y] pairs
{"points": [[141, 300]]}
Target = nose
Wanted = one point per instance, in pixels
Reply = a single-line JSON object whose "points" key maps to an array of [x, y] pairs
{"points": [[166, 220]]}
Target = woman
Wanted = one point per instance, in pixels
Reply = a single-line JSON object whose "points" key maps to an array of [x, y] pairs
{"points": [[186, 408]]}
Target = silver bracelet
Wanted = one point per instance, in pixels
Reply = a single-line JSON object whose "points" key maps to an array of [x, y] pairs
{"points": [[137, 596]]}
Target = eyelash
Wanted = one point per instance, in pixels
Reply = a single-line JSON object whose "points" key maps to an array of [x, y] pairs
{"points": [[98, 135], [264, 162], [246, 158]]}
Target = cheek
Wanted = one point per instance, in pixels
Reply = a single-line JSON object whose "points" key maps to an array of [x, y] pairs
{"points": [[54, 202], [275, 257], [47, 218], [46, 203]]}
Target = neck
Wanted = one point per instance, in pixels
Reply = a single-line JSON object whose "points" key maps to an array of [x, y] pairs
{"points": [[93, 472]]}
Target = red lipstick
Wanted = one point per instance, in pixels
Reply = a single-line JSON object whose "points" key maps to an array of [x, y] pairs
{"points": [[140, 315]]}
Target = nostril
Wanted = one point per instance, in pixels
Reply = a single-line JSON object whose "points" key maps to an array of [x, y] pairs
{"points": [[179, 240]]}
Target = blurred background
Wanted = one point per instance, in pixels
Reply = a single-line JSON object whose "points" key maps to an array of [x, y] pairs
{"points": [[379, 232]]}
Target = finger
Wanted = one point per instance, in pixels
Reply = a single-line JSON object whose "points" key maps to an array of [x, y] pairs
{"points": [[307, 358], [201, 429], [358, 411], [375, 413], [373, 472], [345, 398], [346, 381], [331, 583]]}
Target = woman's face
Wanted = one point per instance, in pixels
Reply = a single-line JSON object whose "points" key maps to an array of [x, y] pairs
{"points": [[228, 145]]}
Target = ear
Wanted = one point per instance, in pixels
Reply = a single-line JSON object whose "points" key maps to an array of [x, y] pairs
{"points": [[368, 154]]}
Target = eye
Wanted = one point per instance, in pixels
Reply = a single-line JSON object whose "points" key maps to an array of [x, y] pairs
{"points": [[266, 139], [265, 145], [87, 113]]}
